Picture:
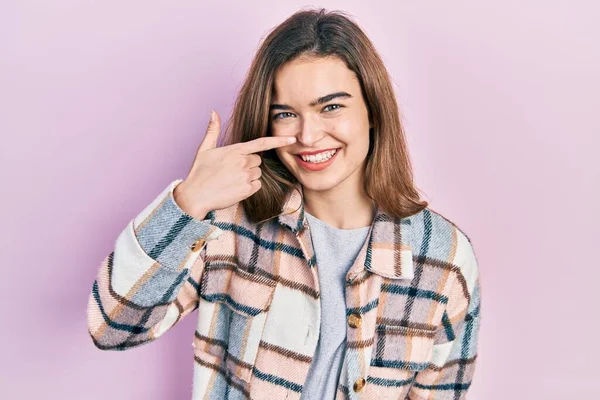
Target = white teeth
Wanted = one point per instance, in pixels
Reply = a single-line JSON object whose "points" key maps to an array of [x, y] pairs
{"points": [[321, 157]]}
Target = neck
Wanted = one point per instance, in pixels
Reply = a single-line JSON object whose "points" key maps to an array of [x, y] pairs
{"points": [[345, 206]]}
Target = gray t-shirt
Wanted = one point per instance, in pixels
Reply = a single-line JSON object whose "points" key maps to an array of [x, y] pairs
{"points": [[335, 252]]}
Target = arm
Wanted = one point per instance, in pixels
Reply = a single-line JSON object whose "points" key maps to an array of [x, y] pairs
{"points": [[150, 280], [450, 372]]}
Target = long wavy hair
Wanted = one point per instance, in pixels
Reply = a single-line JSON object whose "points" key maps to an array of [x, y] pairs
{"points": [[321, 33]]}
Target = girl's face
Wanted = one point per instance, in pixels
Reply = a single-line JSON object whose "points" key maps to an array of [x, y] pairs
{"points": [[319, 101]]}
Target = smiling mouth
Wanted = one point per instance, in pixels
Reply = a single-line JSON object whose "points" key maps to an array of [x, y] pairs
{"points": [[318, 158], [320, 163]]}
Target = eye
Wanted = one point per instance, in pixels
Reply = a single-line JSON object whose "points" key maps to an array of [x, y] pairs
{"points": [[280, 115], [338, 106]]}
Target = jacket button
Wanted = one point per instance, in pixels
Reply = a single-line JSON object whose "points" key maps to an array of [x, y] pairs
{"points": [[198, 245], [359, 384], [354, 320]]}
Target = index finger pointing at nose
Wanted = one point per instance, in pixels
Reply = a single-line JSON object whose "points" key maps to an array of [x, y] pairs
{"points": [[266, 143]]}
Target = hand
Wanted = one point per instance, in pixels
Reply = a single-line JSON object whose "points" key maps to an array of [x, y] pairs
{"points": [[223, 176]]}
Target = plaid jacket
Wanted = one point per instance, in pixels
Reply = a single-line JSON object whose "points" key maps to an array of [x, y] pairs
{"points": [[412, 295]]}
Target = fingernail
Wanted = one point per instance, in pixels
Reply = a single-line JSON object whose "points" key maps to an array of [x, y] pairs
{"points": [[291, 139], [212, 115]]}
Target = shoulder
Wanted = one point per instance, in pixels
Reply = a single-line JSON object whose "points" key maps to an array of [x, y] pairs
{"points": [[234, 220], [435, 238]]}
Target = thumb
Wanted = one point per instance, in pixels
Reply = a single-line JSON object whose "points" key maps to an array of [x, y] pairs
{"points": [[212, 132]]}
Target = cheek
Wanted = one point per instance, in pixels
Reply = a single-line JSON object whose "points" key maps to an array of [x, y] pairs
{"points": [[283, 155], [349, 131]]}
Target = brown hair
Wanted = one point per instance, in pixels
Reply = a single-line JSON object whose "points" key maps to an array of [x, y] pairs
{"points": [[322, 33]]}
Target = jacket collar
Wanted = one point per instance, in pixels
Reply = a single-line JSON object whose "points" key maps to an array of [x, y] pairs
{"points": [[388, 251]]}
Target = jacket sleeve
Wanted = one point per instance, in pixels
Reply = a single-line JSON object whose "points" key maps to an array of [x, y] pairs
{"points": [[451, 369], [150, 280]]}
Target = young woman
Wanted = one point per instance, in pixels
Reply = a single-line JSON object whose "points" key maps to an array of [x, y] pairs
{"points": [[316, 270]]}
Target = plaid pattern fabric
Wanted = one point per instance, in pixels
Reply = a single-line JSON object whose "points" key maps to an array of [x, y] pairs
{"points": [[412, 295]]}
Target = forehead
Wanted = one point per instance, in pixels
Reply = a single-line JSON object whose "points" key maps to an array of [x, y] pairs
{"points": [[305, 79]]}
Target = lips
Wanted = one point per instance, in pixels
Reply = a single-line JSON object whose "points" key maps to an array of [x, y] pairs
{"points": [[312, 153], [316, 166], [319, 157]]}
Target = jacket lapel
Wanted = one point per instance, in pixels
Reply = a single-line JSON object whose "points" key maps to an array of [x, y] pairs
{"points": [[388, 249]]}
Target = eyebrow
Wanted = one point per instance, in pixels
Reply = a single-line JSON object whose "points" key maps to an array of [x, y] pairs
{"points": [[320, 100]]}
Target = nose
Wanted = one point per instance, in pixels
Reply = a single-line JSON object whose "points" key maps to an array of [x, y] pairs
{"points": [[310, 132]]}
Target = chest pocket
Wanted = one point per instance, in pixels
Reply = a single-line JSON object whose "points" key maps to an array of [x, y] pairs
{"points": [[399, 352], [402, 347], [232, 313]]}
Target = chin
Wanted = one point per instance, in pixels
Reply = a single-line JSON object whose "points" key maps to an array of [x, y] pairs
{"points": [[319, 184]]}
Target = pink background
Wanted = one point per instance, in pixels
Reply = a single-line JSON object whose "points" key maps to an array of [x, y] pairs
{"points": [[105, 102]]}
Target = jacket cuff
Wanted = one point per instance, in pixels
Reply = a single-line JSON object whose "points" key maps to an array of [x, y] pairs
{"points": [[166, 233]]}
